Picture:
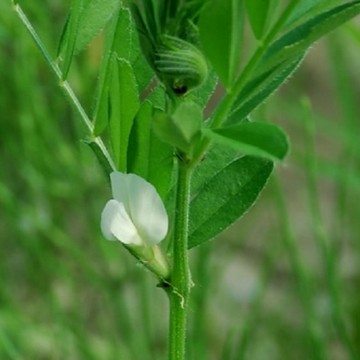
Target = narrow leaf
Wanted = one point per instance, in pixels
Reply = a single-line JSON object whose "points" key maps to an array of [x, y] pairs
{"points": [[310, 8], [118, 39], [258, 11], [261, 87], [226, 197], [253, 138], [302, 37], [93, 19], [221, 27], [69, 36], [149, 157], [121, 39], [124, 104], [103, 161]]}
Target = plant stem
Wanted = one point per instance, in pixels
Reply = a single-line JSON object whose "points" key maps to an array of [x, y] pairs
{"points": [[224, 107], [65, 86], [179, 290]]}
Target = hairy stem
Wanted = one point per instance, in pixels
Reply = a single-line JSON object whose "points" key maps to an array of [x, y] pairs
{"points": [[179, 290]]}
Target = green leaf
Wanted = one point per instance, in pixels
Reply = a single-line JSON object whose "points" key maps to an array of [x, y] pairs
{"points": [[253, 138], [103, 161], [180, 129], [149, 157], [124, 104], [310, 8], [260, 87], [298, 40], [69, 36], [202, 94], [157, 97], [216, 159], [258, 11], [120, 38], [93, 19], [226, 197], [221, 28]]}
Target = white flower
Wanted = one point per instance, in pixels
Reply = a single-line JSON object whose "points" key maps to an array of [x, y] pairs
{"points": [[136, 214]]}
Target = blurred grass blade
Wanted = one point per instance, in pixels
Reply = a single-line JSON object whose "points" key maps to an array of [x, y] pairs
{"points": [[124, 104], [69, 36], [298, 40], [258, 11], [221, 28], [147, 156], [226, 197], [253, 138]]}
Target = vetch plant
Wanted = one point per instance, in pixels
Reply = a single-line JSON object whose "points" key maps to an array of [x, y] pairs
{"points": [[137, 217], [170, 159]]}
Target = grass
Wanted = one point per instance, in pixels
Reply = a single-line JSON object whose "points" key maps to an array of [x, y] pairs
{"points": [[281, 284]]}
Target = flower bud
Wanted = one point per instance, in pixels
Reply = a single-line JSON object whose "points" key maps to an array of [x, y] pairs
{"points": [[180, 65]]}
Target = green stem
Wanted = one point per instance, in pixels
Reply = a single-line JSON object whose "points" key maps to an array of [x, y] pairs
{"points": [[65, 86], [179, 290], [225, 106]]}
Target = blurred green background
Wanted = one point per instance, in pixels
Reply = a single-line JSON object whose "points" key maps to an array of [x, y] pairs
{"points": [[283, 283]]}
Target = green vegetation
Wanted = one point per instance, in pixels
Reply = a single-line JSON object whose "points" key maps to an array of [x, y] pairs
{"points": [[279, 284]]}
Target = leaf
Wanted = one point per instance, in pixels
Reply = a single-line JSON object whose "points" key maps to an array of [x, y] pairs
{"points": [[124, 104], [180, 129], [124, 39], [226, 197], [120, 38], [93, 19], [303, 36], [310, 8], [258, 11], [202, 94], [147, 156], [103, 161], [69, 36], [253, 138], [157, 97], [216, 159], [221, 28], [260, 87]]}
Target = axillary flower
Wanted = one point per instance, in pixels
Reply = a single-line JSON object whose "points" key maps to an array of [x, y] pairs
{"points": [[136, 216]]}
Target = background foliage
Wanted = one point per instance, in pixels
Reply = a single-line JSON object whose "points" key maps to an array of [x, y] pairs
{"points": [[280, 284]]}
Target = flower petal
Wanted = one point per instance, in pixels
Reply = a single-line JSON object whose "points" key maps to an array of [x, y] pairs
{"points": [[119, 187], [147, 209], [116, 224], [143, 204]]}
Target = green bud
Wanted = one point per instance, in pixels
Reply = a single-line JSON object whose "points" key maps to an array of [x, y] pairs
{"points": [[180, 65]]}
